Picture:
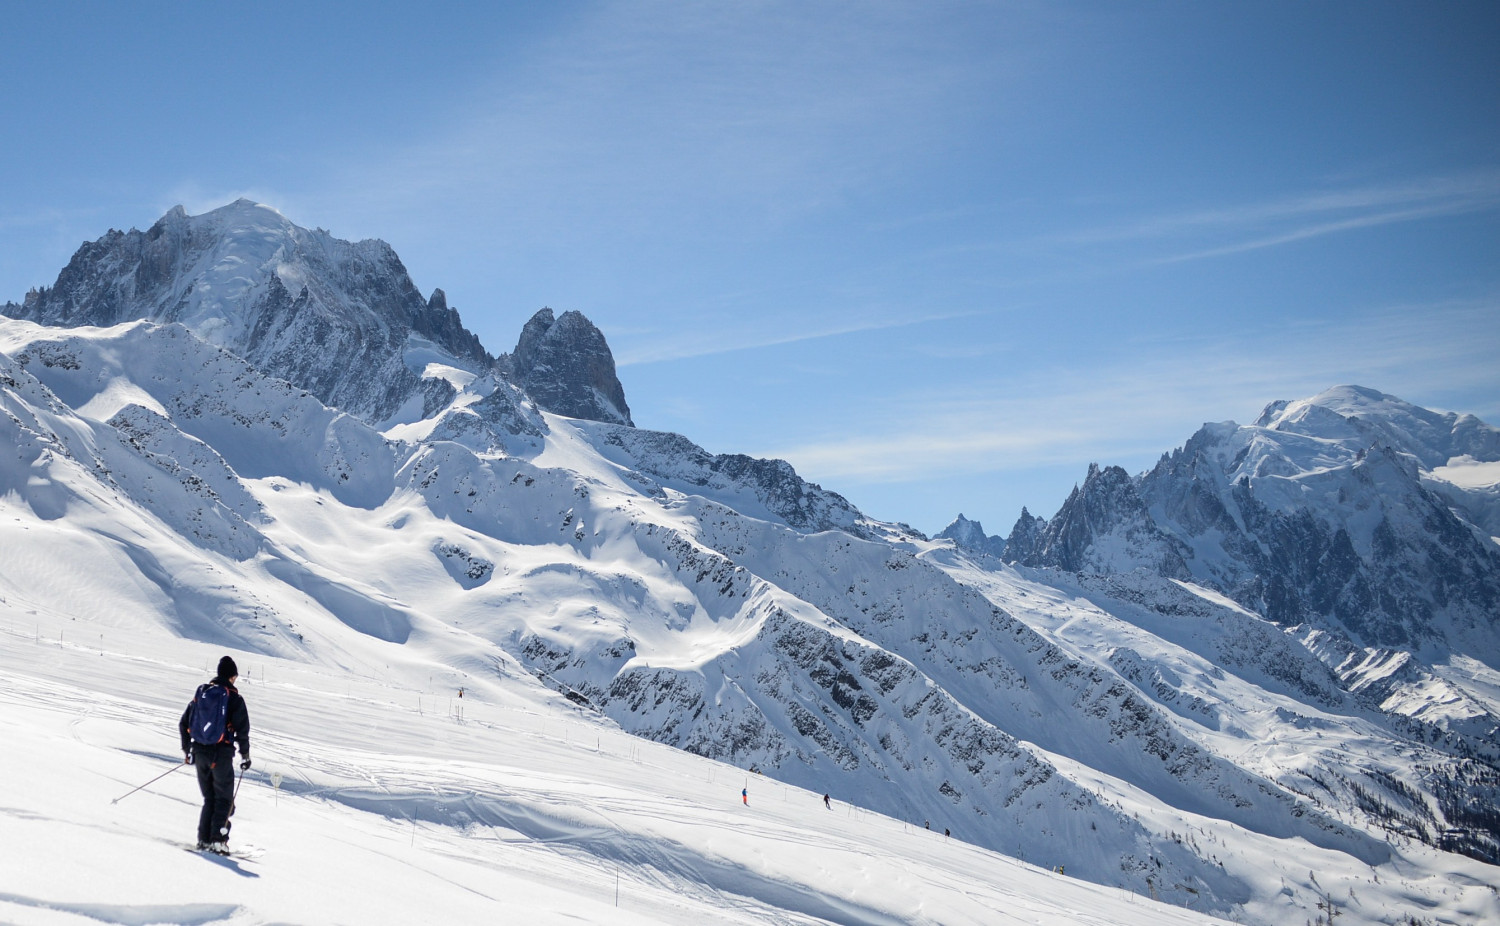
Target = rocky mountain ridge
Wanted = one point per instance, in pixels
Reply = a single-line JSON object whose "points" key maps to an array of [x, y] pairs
{"points": [[1309, 516], [340, 319], [1331, 518]]}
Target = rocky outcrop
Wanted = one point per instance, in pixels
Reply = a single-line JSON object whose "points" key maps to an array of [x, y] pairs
{"points": [[969, 535], [565, 365], [1102, 527], [1021, 545], [441, 325]]}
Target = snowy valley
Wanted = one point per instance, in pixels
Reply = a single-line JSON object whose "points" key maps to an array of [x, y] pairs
{"points": [[1259, 683]]}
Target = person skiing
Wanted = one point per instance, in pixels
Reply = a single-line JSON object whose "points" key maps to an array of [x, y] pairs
{"points": [[826, 803], [215, 720], [745, 795]]}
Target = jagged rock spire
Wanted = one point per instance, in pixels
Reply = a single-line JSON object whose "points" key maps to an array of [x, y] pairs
{"points": [[970, 535], [565, 365], [1106, 505]]}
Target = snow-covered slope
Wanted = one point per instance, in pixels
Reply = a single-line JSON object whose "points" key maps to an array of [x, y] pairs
{"points": [[378, 797], [162, 487]]}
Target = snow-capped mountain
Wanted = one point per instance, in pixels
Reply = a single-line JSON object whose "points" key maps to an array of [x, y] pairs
{"points": [[1353, 520], [1332, 511], [339, 319], [205, 454]]}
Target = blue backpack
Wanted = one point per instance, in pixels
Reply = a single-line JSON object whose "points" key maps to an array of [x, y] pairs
{"points": [[210, 720]]}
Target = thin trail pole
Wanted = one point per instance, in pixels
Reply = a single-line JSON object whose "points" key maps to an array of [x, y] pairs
{"points": [[153, 781]]}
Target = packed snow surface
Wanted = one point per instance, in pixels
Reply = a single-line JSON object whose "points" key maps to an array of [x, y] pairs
{"points": [[399, 802]]}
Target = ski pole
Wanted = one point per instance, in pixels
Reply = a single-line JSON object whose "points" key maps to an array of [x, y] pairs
{"points": [[236, 799], [153, 781]]}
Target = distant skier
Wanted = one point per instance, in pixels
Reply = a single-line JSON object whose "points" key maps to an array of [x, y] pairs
{"points": [[214, 721], [826, 802], [745, 795]]}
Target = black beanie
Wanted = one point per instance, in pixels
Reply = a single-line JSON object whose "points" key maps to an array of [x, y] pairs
{"points": [[227, 669]]}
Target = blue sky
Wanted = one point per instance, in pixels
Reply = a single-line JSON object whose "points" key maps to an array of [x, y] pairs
{"points": [[940, 256]]}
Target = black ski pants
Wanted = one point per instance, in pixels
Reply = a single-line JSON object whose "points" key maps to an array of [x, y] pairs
{"points": [[215, 766]]}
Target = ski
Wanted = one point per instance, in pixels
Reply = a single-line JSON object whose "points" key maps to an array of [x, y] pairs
{"points": [[243, 853]]}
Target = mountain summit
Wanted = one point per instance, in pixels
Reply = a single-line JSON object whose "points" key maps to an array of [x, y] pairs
{"points": [[1342, 511], [341, 319], [1362, 524], [565, 365], [970, 535], [334, 317]]}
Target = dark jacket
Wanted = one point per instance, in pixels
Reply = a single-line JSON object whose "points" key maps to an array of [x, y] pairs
{"points": [[238, 720]]}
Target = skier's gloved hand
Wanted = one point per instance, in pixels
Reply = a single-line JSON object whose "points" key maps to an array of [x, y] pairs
{"points": [[187, 758], [245, 764]]}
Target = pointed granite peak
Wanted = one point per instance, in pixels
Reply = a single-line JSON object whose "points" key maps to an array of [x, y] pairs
{"points": [[1103, 527], [565, 365], [969, 535]]}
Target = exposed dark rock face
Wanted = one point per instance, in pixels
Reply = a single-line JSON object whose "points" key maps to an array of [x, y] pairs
{"points": [[969, 535], [1105, 506], [1021, 546], [330, 316], [566, 366], [441, 325]]}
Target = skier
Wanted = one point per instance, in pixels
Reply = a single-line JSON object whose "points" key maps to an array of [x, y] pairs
{"points": [[826, 803], [214, 721], [745, 795]]}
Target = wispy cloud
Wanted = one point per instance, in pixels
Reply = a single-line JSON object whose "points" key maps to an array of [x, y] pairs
{"points": [[1284, 220], [670, 111], [659, 347], [1152, 400]]}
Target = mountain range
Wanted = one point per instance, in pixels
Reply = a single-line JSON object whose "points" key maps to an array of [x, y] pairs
{"points": [[1279, 643]]}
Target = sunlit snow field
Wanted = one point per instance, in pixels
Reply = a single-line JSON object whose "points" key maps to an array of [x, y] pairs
{"points": [[401, 803]]}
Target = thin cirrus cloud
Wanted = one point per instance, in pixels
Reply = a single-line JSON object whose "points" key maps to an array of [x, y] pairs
{"points": [[676, 115], [1136, 409], [1297, 218], [659, 347]]}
